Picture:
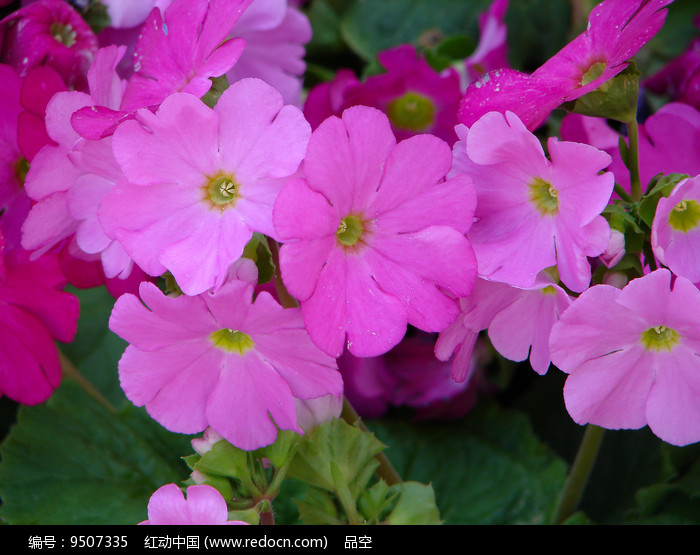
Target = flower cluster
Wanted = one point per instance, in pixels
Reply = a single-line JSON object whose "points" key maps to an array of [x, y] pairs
{"points": [[173, 158]]}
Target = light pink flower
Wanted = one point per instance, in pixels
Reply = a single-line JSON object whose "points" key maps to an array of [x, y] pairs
{"points": [[675, 231], [69, 178], [275, 36], [35, 312], [201, 181], [457, 341], [204, 506], [220, 360], [179, 51], [632, 356], [374, 235], [533, 213], [520, 331]]}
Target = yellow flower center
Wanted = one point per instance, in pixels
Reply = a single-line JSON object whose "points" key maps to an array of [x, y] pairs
{"points": [[544, 196], [232, 341], [685, 216], [660, 338]]}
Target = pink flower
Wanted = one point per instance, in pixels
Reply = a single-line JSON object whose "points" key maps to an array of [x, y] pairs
{"points": [[275, 36], [48, 32], [668, 142], [491, 52], [220, 360], [518, 322], [201, 181], [35, 312], [680, 78], [520, 331], [632, 356], [328, 98], [616, 30], [416, 98], [130, 13], [675, 231], [374, 235], [38, 87], [69, 178], [409, 375], [180, 50], [533, 213], [204, 506], [458, 340]]}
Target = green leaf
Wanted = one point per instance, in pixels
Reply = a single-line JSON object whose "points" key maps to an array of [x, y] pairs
{"points": [[615, 99], [350, 448], [660, 186], [372, 26], [73, 461], [416, 505], [489, 469]]}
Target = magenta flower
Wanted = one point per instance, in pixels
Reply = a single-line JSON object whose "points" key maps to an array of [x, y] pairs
{"points": [[38, 87], [180, 50], [675, 231], [616, 30], [52, 33], [680, 78], [416, 98], [204, 506], [533, 213], [14, 202], [632, 356], [374, 235], [201, 181], [36, 312], [328, 98], [491, 52], [220, 360]]}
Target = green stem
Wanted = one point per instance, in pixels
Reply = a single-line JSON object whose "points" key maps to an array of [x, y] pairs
{"points": [[385, 470], [633, 160], [286, 300], [579, 473], [624, 195], [70, 371]]}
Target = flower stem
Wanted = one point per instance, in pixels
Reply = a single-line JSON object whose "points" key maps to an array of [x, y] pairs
{"points": [[633, 160], [579, 473], [286, 300], [70, 371]]}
